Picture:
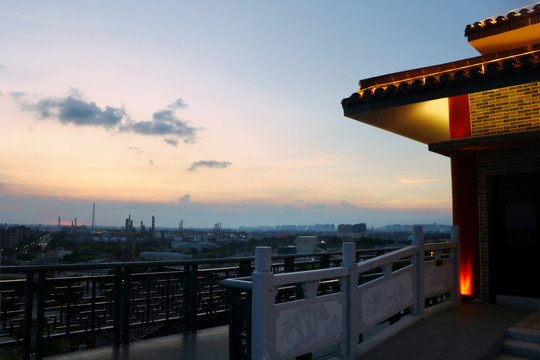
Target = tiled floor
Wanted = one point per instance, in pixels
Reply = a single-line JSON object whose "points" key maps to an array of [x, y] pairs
{"points": [[464, 331]]}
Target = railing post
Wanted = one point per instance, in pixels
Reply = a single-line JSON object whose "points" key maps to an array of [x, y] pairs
{"points": [[190, 298], [193, 298], [244, 268], [187, 298], [239, 316], [93, 308], [418, 240], [68, 309], [349, 286], [325, 261], [126, 301], [288, 264], [28, 306], [40, 315], [454, 295], [263, 330], [167, 297], [234, 329], [117, 306]]}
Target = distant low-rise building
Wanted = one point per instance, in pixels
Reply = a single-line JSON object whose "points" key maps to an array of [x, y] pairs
{"points": [[12, 236], [351, 230], [306, 244]]}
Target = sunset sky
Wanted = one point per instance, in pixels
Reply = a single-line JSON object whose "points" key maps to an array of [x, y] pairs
{"points": [[217, 111]]}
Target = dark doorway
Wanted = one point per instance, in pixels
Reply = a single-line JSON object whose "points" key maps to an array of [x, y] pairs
{"points": [[514, 218]]}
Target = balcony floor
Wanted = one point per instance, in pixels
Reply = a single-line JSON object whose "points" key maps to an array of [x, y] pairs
{"points": [[206, 344], [463, 331]]}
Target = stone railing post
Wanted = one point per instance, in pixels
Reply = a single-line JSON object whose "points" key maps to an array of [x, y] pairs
{"points": [[263, 330], [454, 295], [349, 286], [418, 240]]}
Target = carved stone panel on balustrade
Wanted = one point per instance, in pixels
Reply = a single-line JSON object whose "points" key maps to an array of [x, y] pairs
{"points": [[381, 299], [438, 277], [307, 327]]}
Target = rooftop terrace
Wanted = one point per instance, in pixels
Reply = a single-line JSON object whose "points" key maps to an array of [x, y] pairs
{"points": [[460, 332], [364, 304]]}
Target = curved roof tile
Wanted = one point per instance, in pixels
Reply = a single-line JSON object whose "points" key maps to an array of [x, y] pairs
{"points": [[485, 27], [465, 72]]}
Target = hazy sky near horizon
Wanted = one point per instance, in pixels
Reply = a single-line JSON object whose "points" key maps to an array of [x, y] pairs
{"points": [[208, 111]]}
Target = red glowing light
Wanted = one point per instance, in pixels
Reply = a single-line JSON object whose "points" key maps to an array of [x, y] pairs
{"points": [[465, 279]]}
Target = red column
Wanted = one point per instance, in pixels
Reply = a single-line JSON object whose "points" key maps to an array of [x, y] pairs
{"points": [[465, 215], [465, 198]]}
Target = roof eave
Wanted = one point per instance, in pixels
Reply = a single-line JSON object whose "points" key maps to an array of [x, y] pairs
{"points": [[350, 108]]}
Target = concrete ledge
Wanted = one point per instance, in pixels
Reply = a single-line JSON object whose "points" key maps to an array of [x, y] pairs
{"points": [[525, 302]]}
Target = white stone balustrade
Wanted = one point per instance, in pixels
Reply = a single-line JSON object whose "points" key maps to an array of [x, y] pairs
{"points": [[336, 320]]}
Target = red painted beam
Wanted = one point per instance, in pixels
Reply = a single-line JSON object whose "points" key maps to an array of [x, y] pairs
{"points": [[459, 116]]}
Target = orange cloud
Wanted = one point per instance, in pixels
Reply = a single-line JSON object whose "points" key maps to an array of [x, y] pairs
{"points": [[417, 181]]}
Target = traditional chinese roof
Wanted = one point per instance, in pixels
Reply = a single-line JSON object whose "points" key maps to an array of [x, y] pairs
{"points": [[510, 48], [499, 24], [414, 103], [451, 79]]}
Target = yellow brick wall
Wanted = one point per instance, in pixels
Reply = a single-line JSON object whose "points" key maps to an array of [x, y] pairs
{"points": [[511, 109]]}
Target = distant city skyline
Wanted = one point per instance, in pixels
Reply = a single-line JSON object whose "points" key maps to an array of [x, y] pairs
{"points": [[430, 227], [288, 215], [231, 115]]}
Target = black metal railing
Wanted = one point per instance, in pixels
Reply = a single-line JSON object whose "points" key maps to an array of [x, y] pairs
{"points": [[117, 303]]}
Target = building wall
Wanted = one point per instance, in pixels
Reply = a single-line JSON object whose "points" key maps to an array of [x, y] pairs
{"points": [[518, 160], [358, 228], [305, 244], [506, 110], [344, 229]]}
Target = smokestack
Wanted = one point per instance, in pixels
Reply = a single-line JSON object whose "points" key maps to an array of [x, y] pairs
{"points": [[129, 223], [93, 216]]}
